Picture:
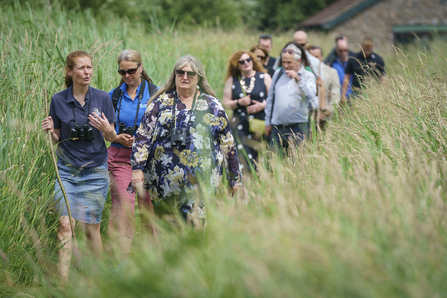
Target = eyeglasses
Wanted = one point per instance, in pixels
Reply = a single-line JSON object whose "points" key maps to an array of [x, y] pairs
{"points": [[340, 50], [181, 73], [129, 71], [261, 57], [242, 62]]}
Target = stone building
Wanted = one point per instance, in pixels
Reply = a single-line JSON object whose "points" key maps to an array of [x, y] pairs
{"points": [[386, 21]]}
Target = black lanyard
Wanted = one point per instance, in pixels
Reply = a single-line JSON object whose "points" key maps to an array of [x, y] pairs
{"points": [[140, 97], [193, 107], [90, 99]]}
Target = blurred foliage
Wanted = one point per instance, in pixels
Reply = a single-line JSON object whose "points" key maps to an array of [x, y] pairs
{"points": [[284, 14], [157, 14]]}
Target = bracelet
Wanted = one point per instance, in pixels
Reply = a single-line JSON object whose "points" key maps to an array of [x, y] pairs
{"points": [[323, 110], [237, 102]]}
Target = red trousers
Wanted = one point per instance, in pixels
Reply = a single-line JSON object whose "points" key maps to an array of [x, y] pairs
{"points": [[122, 215]]}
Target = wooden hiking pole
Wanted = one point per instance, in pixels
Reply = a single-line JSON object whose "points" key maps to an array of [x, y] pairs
{"points": [[53, 157], [317, 121]]}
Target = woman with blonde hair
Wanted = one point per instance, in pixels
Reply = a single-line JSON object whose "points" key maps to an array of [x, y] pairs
{"points": [[130, 100], [245, 93], [183, 142]]}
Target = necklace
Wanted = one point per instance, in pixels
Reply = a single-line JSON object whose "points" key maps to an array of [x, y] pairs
{"points": [[249, 88]]}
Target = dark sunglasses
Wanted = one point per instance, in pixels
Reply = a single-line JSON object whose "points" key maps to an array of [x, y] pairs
{"points": [[242, 62], [340, 50], [181, 73], [129, 71], [261, 57]]}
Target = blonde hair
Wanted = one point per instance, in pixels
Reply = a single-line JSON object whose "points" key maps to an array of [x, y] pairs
{"points": [[196, 66], [132, 56]]}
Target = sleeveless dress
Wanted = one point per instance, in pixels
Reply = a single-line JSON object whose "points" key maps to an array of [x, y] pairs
{"points": [[244, 138]]}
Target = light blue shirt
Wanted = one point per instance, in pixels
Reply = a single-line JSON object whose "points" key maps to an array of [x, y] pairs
{"points": [[291, 98], [340, 67], [127, 108]]}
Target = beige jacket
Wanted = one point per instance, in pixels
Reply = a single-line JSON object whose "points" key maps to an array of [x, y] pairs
{"points": [[332, 87]]}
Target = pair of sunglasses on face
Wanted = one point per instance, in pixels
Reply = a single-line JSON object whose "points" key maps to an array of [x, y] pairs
{"points": [[242, 62], [181, 73], [129, 71]]}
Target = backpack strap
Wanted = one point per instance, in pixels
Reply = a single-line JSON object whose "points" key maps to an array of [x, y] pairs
{"points": [[116, 95], [273, 90], [152, 89]]}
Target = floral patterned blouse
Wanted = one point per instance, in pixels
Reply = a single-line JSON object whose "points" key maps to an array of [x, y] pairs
{"points": [[210, 147]]}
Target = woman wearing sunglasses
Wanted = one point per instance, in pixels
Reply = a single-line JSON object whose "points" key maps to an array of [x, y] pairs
{"points": [[183, 142], [261, 52], [130, 100], [81, 117], [245, 93]]}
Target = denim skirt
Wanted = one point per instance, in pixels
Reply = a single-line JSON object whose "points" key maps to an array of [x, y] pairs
{"points": [[86, 190]]}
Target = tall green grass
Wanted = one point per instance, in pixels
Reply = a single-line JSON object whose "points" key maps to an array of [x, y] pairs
{"points": [[359, 211]]}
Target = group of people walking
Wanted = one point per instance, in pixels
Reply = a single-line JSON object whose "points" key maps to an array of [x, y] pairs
{"points": [[174, 141], [172, 144], [289, 91]]}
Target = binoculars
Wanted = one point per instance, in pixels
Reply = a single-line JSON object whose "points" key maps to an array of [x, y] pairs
{"points": [[82, 133], [130, 130], [179, 137]]}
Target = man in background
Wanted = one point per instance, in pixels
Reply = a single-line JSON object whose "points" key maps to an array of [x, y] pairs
{"points": [[301, 38], [330, 59], [286, 111], [266, 41], [362, 65], [341, 62], [328, 90]]}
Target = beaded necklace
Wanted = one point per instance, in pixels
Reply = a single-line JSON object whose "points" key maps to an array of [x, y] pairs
{"points": [[249, 88]]}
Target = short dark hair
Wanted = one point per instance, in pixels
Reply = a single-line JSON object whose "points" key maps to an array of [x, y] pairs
{"points": [[311, 48], [265, 36], [340, 37]]}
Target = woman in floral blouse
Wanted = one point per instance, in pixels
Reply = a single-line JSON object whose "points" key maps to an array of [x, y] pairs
{"points": [[183, 142]]}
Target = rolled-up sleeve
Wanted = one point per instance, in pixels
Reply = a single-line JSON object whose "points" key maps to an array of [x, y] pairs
{"points": [[143, 137], [308, 85]]}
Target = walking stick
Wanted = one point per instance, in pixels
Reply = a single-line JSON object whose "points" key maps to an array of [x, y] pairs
{"points": [[53, 157], [317, 121]]}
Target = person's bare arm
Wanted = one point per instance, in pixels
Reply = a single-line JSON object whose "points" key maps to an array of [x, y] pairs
{"points": [[227, 101], [321, 94], [345, 87], [267, 82]]}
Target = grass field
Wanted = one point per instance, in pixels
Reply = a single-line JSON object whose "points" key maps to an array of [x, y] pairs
{"points": [[359, 212]]}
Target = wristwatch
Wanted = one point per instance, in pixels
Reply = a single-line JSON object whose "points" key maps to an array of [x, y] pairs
{"points": [[237, 102]]}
